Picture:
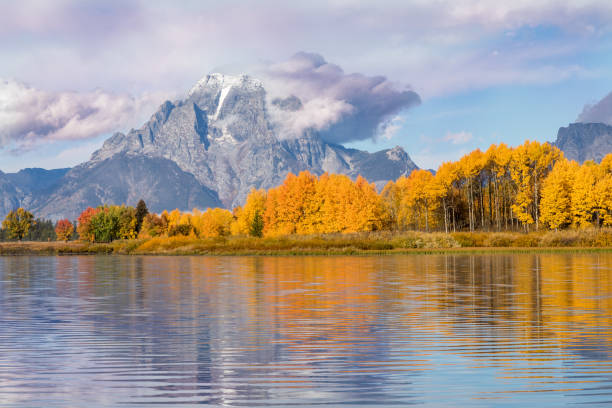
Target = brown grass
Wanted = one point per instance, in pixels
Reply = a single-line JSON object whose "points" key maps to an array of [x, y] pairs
{"points": [[358, 243]]}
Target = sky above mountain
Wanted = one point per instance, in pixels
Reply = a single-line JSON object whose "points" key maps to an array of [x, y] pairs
{"points": [[438, 78]]}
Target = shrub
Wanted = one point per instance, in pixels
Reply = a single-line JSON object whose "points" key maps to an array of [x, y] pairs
{"points": [[180, 229], [154, 226]]}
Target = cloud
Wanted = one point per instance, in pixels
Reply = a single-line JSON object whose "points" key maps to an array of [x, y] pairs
{"points": [[458, 138], [600, 112], [30, 116], [441, 46], [342, 107], [390, 128]]}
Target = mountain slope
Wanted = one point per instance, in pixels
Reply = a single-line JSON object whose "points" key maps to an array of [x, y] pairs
{"points": [[206, 150], [222, 134], [24, 188], [585, 141], [126, 179]]}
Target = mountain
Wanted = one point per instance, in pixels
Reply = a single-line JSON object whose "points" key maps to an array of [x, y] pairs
{"points": [[25, 187], [206, 150], [585, 141], [126, 179]]}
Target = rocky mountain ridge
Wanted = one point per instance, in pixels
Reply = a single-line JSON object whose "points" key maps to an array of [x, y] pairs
{"points": [[585, 141], [206, 150]]}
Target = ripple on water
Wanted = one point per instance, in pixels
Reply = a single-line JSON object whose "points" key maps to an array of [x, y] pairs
{"points": [[439, 330]]}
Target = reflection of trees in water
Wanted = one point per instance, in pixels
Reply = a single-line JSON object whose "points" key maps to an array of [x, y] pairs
{"points": [[264, 328]]}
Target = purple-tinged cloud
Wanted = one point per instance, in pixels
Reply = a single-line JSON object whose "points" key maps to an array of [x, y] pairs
{"points": [[342, 107], [30, 116], [601, 112]]}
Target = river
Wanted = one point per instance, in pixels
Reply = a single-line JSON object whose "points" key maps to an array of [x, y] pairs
{"points": [[438, 330]]}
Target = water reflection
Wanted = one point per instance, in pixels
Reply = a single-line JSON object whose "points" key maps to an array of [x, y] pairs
{"points": [[246, 331]]}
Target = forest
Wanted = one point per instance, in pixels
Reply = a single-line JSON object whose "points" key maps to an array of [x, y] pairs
{"points": [[528, 188]]}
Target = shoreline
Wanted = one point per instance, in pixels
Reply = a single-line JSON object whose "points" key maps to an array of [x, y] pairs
{"points": [[193, 249]]}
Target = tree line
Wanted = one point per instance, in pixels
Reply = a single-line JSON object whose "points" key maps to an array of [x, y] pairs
{"points": [[21, 225], [530, 187]]}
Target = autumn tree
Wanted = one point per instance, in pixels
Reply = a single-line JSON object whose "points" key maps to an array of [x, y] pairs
{"points": [[113, 222], [153, 226], [603, 191], [391, 199], [290, 206], [420, 197], [470, 166], [84, 224], [64, 230], [17, 223], [245, 216], [531, 163], [214, 222], [556, 202], [365, 211], [446, 179], [603, 199], [500, 188], [584, 195]]}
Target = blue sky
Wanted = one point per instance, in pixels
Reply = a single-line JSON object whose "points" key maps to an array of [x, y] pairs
{"points": [[74, 72]]}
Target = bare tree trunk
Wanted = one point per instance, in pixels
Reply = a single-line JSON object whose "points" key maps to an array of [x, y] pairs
{"points": [[535, 201], [482, 223], [471, 212], [445, 216]]}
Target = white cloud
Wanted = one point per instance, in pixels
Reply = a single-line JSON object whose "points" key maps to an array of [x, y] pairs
{"points": [[30, 116], [458, 138], [390, 128], [317, 114], [343, 107], [439, 46], [600, 112]]}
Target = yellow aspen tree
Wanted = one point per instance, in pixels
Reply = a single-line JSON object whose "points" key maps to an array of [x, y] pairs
{"points": [[215, 222], [305, 204], [174, 218], [391, 200], [244, 216], [405, 215], [334, 195], [531, 162], [445, 179], [556, 203], [471, 165], [584, 199], [420, 197], [366, 209], [603, 196], [271, 213], [502, 183], [603, 190], [290, 205]]}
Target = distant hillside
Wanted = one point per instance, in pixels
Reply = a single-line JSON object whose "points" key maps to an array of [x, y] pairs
{"points": [[585, 141]]}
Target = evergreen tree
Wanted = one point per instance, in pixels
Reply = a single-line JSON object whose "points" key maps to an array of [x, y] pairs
{"points": [[257, 226], [141, 213], [41, 230]]}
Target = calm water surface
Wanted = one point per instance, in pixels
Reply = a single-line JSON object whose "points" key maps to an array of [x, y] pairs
{"points": [[439, 330]]}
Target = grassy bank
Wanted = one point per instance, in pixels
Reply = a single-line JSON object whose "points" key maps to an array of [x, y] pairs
{"points": [[362, 243]]}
